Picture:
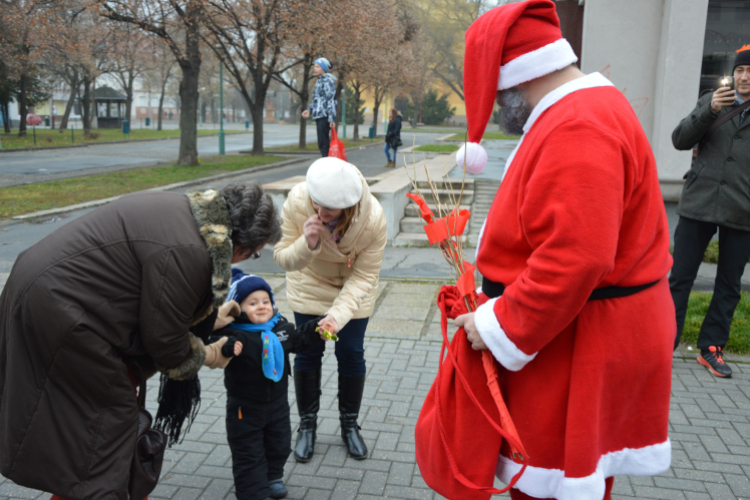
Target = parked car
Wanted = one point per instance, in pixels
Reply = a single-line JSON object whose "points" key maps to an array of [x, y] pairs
{"points": [[32, 119]]}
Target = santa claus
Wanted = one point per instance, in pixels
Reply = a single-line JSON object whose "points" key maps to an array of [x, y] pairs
{"points": [[574, 256]]}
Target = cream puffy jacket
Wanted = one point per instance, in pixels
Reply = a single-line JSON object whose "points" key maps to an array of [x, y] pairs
{"points": [[337, 279]]}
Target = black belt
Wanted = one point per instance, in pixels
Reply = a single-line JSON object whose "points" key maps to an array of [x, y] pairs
{"points": [[493, 289]]}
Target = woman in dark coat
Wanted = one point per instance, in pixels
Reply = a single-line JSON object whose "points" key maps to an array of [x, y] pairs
{"points": [[128, 280], [393, 137]]}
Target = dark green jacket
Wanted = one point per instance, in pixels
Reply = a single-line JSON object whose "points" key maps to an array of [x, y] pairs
{"points": [[717, 188]]}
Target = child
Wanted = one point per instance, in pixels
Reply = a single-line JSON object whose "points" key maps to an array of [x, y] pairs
{"points": [[258, 425]]}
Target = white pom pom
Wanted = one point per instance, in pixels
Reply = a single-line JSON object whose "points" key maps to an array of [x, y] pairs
{"points": [[473, 157]]}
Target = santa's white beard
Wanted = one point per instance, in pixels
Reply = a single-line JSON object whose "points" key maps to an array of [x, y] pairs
{"points": [[515, 111]]}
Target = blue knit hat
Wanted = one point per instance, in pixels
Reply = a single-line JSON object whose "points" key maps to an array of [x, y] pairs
{"points": [[324, 63], [245, 284]]}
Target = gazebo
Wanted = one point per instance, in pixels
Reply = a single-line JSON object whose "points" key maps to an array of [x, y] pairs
{"points": [[110, 107]]}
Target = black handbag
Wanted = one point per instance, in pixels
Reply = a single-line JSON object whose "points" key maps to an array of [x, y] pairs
{"points": [[150, 444]]}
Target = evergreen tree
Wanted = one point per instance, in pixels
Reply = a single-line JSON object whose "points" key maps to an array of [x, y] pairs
{"points": [[435, 110], [350, 108]]}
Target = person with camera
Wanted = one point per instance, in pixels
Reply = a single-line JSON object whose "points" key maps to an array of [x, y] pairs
{"points": [[715, 197]]}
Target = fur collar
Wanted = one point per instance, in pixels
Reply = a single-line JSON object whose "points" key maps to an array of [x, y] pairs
{"points": [[215, 226]]}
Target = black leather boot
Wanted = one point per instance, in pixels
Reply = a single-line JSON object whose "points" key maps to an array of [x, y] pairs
{"points": [[307, 388], [350, 399]]}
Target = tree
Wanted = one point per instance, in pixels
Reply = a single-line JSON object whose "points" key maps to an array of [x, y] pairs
{"points": [[310, 26], [355, 108], [77, 50], [445, 23], [159, 74], [7, 88], [248, 36], [435, 110], [129, 58], [24, 34], [178, 23]]}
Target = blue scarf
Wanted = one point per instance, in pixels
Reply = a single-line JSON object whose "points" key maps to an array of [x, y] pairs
{"points": [[273, 353]]}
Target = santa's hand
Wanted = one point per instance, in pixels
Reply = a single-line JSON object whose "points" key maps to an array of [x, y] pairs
{"points": [[467, 322]]}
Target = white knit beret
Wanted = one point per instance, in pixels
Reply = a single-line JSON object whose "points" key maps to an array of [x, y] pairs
{"points": [[334, 183]]}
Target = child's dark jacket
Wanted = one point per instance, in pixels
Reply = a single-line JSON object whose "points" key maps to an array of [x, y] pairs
{"points": [[243, 376]]}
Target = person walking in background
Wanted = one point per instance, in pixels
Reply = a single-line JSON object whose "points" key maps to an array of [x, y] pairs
{"points": [[334, 236], [323, 104], [715, 197], [393, 137]]}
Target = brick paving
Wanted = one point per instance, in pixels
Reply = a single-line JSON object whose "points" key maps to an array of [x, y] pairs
{"points": [[709, 423]]}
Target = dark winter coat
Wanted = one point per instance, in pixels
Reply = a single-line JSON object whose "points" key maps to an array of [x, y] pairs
{"points": [[717, 188], [126, 280], [243, 376], [393, 134]]}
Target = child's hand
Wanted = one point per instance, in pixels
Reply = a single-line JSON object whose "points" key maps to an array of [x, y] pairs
{"points": [[237, 348]]}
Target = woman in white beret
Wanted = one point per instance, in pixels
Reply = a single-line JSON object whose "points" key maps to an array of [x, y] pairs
{"points": [[334, 235]]}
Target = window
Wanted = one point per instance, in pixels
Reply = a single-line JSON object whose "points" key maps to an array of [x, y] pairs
{"points": [[114, 110], [727, 29]]}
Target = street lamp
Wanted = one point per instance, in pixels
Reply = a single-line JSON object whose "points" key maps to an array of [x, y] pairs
{"points": [[221, 109], [343, 112], [200, 114]]}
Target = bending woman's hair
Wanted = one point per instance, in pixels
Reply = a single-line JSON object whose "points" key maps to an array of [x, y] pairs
{"points": [[255, 218]]}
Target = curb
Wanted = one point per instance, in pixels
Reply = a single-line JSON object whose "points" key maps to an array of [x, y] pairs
{"points": [[176, 185], [71, 146]]}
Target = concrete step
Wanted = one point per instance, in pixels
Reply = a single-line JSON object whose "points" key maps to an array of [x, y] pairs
{"points": [[444, 195], [441, 183], [412, 225], [412, 210], [415, 240]]}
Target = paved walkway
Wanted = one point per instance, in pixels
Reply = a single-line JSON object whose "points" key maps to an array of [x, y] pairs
{"points": [[709, 424]]}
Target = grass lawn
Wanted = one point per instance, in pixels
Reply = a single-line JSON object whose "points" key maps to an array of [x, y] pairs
{"points": [[487, 135], [739, 333], [18, 200], [48, 138], [313, 146], [438, 148]]}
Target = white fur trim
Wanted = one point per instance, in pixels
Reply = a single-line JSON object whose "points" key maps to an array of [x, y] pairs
{"points": [[537, 63], [552, 483], [474, 155], [585, 82], [504, 350]]}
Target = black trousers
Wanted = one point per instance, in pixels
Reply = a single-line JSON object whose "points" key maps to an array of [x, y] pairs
{"points": [[324, 135], [260, 438], [349, 350], [690, 241]]}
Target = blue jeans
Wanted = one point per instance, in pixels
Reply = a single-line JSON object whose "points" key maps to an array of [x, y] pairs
{"points": [[349, 350], [387, 150]]}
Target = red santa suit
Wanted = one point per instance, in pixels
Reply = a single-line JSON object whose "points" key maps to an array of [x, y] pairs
{"points": [[587, 382]]}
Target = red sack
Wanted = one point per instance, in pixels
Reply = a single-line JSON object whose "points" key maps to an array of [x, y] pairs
{"points": [[336, 149], [457, 447]]}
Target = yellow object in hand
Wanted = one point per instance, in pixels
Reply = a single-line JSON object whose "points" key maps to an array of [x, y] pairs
{"points": [[326, 334]]}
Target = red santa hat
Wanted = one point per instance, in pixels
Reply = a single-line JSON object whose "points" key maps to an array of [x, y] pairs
{"points": [[509, 45]]}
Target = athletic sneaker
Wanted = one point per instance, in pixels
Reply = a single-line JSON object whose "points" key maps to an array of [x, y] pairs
{"points": [[278, 490], [713, 359]]}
